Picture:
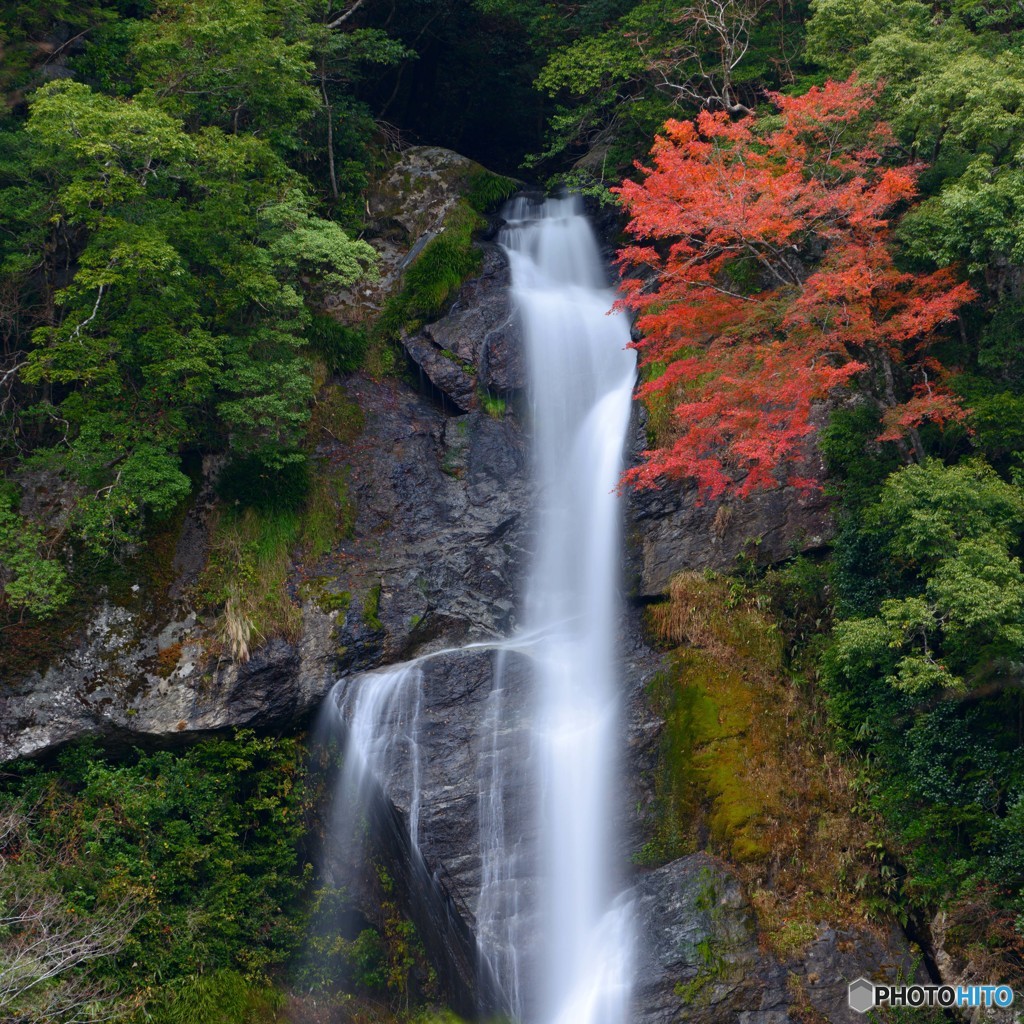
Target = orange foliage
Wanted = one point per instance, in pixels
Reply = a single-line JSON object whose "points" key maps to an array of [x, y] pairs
{"points": [[774, 284]]}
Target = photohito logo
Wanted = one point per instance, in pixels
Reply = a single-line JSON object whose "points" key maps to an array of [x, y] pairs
{"points": [[865, 995]]}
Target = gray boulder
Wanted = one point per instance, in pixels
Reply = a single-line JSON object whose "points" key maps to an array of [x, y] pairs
{"points": [[699, 959], [407, 208]]}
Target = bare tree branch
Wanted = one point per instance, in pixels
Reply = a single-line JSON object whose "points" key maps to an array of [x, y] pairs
{"points": [[345, 15], [92, 316], [45, 947]]}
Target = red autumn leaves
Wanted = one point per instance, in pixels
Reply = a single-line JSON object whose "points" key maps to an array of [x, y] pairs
{"points": [[773, 283]]}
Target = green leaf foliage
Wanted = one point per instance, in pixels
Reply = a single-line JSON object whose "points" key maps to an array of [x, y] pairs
{"points": [[204, 846], [950, 530], [954, 93], [195, 257], [922, 683], [236, 66], [29, 579]]}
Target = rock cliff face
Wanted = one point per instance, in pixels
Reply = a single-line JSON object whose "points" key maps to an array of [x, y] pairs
{"points": [[476, 346], [672, 529], [440, 542], [700, 960]]}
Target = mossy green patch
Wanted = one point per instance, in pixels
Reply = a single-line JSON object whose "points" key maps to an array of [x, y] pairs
{"points": [[330, 512], [430, 285], [371, 608], [744, 770], [486, 190], [701, 785], [493, 405], [318, 590]]}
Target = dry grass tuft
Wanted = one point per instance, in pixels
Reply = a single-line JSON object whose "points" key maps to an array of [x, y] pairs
{"points": [[247, 574], [718, 617], [237, 631]]}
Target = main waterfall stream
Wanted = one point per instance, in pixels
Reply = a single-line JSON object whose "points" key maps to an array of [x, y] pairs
{"points": [[552, 926]]}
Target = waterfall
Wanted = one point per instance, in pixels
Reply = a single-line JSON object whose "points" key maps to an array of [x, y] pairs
{"points": [[552, 929], [581, 382]]}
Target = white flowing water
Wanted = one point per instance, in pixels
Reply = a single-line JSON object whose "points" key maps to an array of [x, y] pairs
{"points": [[581, 384], [550, 923], [392, 696]]}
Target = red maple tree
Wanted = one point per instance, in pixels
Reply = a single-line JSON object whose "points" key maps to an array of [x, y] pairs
{"points": [[768, 280]]}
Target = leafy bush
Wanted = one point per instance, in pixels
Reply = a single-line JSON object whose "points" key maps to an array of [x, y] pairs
{"points": [[28, 579], [950, 530], [342, 348], [204, 844], [223, 997], [916, 674]]}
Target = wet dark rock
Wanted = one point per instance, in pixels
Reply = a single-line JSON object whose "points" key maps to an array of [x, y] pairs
{"points": [[425, 899], [453, 379], [699, 959], [483, 322], [441, 532], [455, 694], [477, 344], [673, 529], [838, 956]]}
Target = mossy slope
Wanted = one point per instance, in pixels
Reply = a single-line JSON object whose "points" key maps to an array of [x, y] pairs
{"points": [[745, 769]]}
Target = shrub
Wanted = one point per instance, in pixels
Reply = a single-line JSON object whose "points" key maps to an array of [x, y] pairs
{"points": [[342, 348], [204, 844]]}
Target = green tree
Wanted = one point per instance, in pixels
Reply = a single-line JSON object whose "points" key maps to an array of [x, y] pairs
{"points": [[195, 258], [616, 85], [237, 66], [951, 529], [955, 96]]}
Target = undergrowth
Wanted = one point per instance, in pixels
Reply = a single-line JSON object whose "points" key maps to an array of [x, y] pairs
{"points": [[196, 867], [196, 854], [266, 518], [247, 571]]}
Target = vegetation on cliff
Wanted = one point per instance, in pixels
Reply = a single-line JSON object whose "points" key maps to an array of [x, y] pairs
{"points": [[919, 638], [174, 888], [161, 881]]}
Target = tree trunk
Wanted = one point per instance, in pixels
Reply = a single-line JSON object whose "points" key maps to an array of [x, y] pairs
{"points": [[329, 111]]}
